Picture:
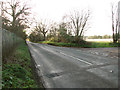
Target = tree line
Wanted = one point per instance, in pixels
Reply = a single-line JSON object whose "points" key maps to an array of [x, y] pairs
{"points": [[71, 28], [99, 37], [15, 18]]}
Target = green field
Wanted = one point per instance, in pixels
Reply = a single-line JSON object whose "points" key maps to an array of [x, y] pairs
{"points": [[85, 45]]}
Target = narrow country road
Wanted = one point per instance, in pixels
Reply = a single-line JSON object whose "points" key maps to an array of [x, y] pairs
{"points": [[62, 67]]}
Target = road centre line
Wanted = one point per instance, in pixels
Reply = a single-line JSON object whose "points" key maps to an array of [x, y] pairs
{"points": [[72, 57], [77, 58]]}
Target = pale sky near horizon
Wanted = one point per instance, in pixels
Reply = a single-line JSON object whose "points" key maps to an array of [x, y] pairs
{"points": [[55, 9]]}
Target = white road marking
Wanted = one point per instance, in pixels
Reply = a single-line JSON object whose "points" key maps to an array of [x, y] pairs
{"points": [[77, 58], [70, 56]]}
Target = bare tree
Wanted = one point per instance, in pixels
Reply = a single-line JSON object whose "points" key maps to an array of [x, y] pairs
{"points": [[79, 22], [43, 28], [18, 13], [114, 13], [53, 31]]}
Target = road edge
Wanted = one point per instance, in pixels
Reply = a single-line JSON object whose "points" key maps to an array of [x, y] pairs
{"points": [[36, 72]]}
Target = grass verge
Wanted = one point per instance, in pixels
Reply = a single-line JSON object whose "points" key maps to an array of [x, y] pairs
{"points": [[17, 71], [87, 45]]}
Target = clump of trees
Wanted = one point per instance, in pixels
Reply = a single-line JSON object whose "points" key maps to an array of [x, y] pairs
{"points": [[35, 36], [70, 29], [40, 31], [78, 22], [100, 37], [15, 17]]}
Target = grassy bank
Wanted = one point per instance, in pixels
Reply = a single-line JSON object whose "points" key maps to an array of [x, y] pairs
{"points": [[17, 72], [87, 45]]}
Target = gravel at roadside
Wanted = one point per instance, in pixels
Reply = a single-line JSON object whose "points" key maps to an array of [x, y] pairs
{"points": [[106, 52]]}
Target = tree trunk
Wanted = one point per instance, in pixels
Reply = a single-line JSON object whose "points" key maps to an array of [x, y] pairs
{"points": [[76, 39], [116, 31], [44, 37], [114, 41]]}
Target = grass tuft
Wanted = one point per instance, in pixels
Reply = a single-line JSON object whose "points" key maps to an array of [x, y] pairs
{"points": [[17, 72]]}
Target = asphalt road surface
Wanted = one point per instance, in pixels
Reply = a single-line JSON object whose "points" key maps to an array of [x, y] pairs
{"points": [[62, 67]]}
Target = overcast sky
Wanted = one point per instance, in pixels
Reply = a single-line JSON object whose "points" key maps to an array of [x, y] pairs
{"points": [[55, 9]]}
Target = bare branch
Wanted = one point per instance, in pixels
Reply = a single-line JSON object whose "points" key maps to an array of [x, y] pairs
{"points": [[79, 22]]}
